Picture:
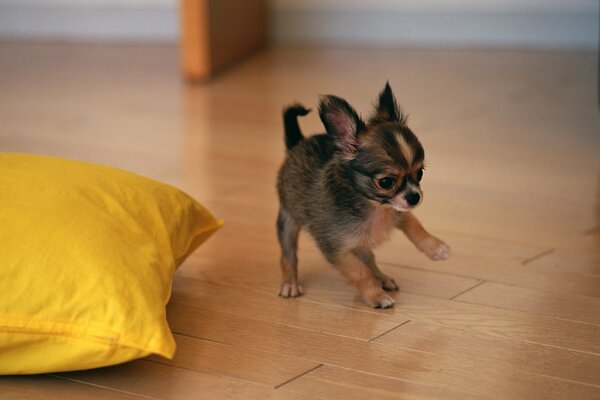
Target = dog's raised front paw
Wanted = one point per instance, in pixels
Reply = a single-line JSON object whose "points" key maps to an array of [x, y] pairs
{"points": [[290, 290], [434, 248]]}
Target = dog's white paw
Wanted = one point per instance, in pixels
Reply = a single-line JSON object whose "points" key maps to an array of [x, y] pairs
{"points": [[435, 249], [380, 299], [290, 290]]}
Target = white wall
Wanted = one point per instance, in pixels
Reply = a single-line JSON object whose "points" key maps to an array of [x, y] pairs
{"points": [[526, 23], [106, 20], [537, 23], [440, 5]]}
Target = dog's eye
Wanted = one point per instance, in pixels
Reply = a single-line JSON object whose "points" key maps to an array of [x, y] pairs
{"points": [[387, 182], [420, 174]]}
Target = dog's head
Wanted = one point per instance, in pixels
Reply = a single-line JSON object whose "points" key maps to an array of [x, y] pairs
{"points": [[383, 157]]}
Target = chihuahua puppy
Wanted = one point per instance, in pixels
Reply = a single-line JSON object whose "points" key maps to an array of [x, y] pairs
{"points": [[349, 188]]}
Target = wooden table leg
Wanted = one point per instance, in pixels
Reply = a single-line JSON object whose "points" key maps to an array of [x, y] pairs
{"points": [[216, 33]]}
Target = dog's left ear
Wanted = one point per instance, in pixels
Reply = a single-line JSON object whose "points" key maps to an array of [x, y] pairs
{"points": [[387, 109], [342, 122]]}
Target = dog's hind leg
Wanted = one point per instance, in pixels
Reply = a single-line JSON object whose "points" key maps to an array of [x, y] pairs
{"points": [[287, 233]]}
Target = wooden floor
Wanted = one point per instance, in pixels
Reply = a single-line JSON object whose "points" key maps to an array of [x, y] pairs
{"points": [[513, 146]]}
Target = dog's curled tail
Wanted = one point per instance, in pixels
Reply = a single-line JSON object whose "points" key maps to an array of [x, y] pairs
{"points": [[293, 135]]}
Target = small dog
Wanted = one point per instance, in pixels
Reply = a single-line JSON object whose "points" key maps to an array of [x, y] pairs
{"points": [[349, 188]]}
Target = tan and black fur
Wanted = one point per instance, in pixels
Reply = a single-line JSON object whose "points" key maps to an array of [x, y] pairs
{"points": [[349, 188]]}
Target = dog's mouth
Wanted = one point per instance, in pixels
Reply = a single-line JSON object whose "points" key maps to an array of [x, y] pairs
{"points": [[400, 207]]}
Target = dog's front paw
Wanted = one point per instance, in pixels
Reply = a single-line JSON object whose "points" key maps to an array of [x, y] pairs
{"points": [[434, 248], [288, 289], [380, 299]]}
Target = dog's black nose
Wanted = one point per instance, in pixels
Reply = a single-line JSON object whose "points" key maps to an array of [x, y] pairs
{"points": [[413, 198]]}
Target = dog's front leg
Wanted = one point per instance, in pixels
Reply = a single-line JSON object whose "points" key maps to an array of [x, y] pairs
{"points": [[361, 276], [433, 247], [367, 256]]}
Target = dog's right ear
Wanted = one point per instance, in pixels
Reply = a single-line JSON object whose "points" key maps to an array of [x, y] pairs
{"points": [[342, 122], [387, 109]]}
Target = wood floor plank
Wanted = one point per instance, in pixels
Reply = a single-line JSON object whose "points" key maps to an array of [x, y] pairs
{"points": [[541, 302], [586, 242], [462, 343], [345, 384], [161, 381], [244, 363], [482, 378], [581, 261], [43, 387], [269, 307]]}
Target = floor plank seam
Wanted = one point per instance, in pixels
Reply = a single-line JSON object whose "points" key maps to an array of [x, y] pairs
{"points": [[538, 256], [212, 341], [219, 342], [207, 373], [395, 265], [428, 384], [243, 347], [488, 238], [66, 378], [264, 320], [299, 376], [388, 331], [467, 290], [533, 313], [561, 379], [525, 340]]}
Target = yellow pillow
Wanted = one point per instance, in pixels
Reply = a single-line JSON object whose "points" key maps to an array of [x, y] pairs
{"points": [[87, 255]]}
